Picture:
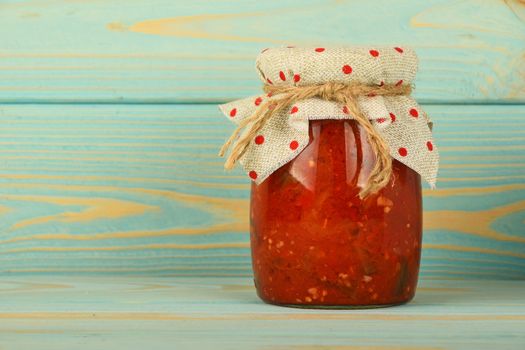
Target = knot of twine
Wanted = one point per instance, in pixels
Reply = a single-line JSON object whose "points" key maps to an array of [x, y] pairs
{"points": [[345, 94]]}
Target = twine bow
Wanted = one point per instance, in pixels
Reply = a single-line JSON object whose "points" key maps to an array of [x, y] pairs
{"points": [[344, 94]]}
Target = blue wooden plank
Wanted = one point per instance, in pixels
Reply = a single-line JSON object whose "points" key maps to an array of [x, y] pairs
{"points": [[179, 51], [138, 189]]}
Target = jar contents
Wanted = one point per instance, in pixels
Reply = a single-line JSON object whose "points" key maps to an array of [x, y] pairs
{"points": [[315, 243]]}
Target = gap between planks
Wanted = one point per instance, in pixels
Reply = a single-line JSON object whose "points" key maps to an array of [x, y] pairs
{"points": [[154, 102]]}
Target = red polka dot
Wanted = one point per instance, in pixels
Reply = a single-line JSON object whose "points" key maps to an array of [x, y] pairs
{"points": [[269, 94], [296, 78], [381, 120], [294, 110], [259, 140], [398, 49], [402, 151], [233, 112], [347, 69], [414, 113], [258, 101], [345, 110], [392, 117], [282, 76], [252, 174], [371, 95], [269, 81], [399, 82], [293, 145], [319, 49], [374, 53], [430, 146]]}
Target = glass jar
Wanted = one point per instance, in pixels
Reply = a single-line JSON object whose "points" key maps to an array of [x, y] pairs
{"points": [[316, 244]]}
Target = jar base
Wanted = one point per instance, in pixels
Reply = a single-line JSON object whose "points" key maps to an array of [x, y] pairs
{"points": [[337, 307]]}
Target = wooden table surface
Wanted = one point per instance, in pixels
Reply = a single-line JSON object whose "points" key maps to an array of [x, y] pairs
{"points": [[63, 313]]}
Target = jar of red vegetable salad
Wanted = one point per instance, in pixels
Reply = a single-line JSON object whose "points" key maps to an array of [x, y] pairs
{"points": [[336, 148]]}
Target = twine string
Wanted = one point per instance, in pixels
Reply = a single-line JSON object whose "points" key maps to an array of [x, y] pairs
{"points": [[344, 94]]}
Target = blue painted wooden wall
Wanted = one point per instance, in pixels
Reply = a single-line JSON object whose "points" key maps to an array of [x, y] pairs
{"points": [[109, 128]]}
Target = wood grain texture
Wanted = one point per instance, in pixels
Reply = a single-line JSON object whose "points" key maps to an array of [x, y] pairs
{"points": [[138, 189], [62, 313], [182, 51]]}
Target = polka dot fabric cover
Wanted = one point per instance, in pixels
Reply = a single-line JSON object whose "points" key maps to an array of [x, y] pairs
{"points": [[400, 120]]}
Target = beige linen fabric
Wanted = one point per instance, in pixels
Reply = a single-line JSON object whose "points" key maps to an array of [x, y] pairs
{"points": [[399, 119]]}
